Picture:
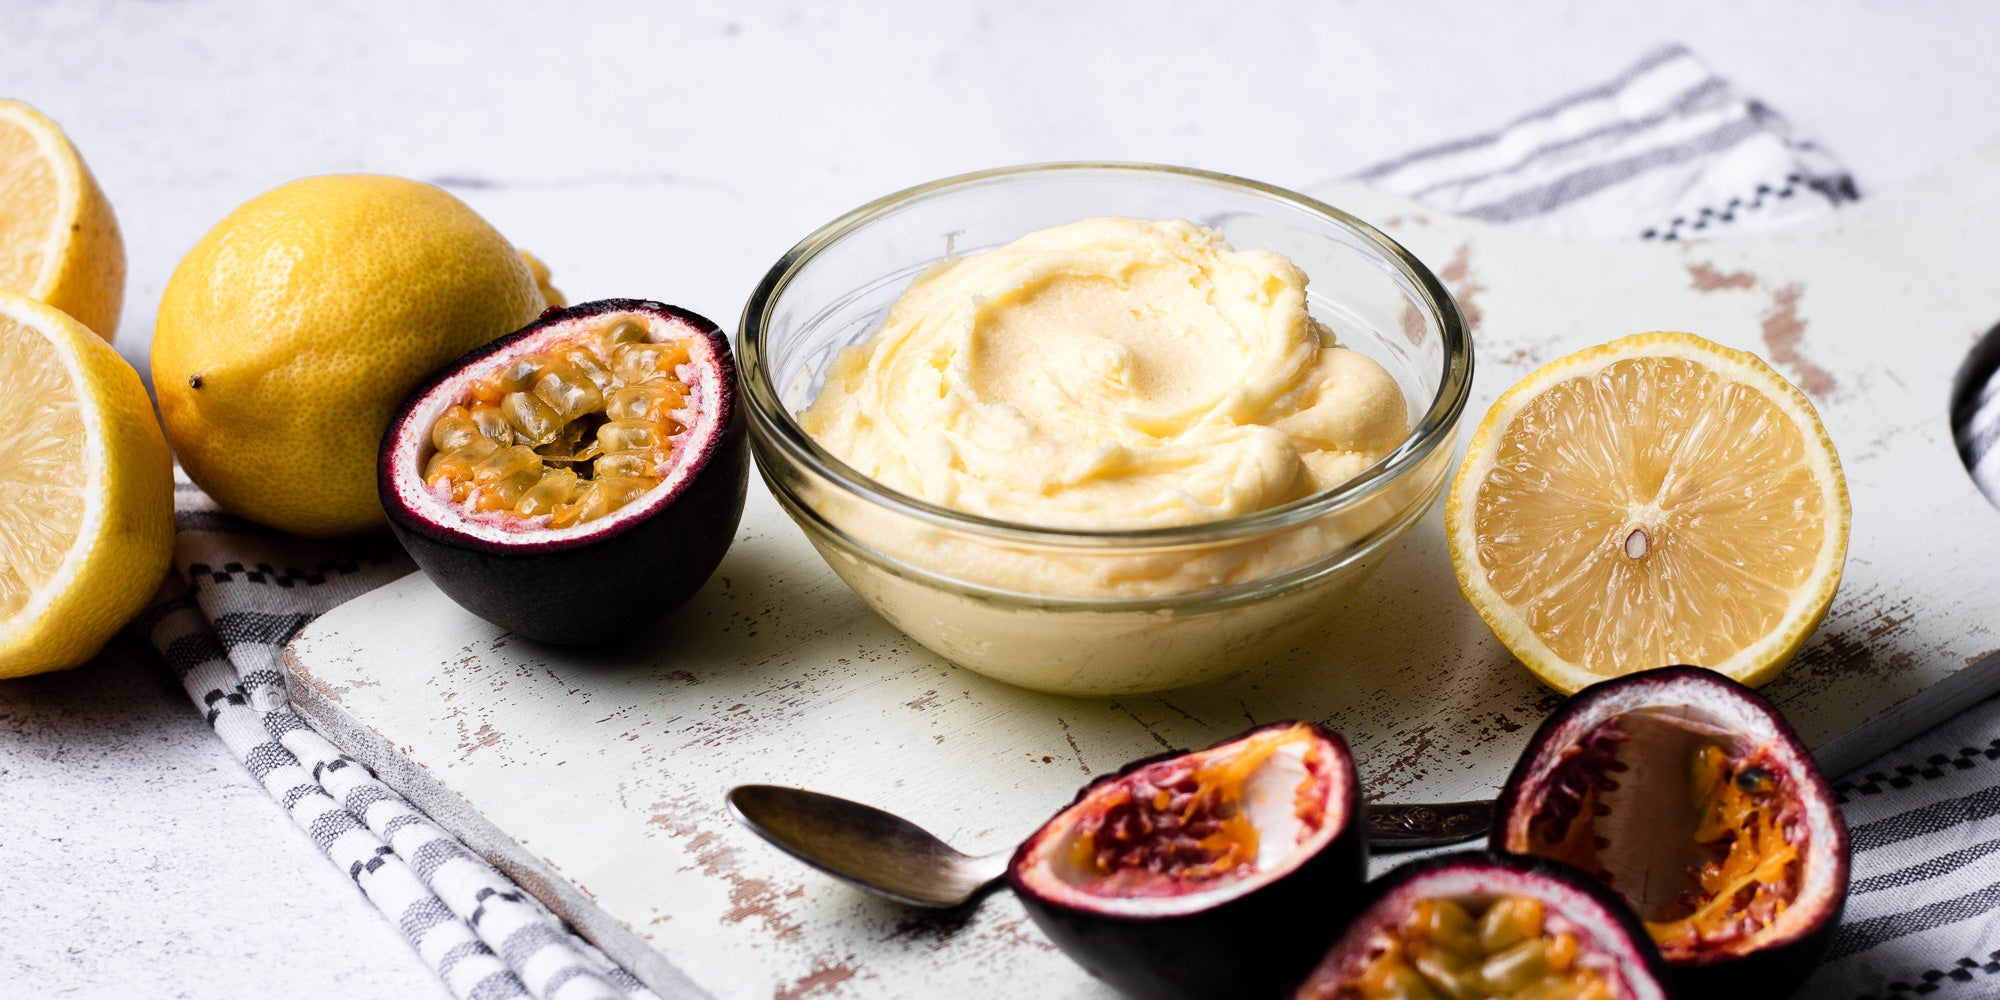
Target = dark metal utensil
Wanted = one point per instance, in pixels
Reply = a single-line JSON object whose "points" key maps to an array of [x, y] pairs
{"points": [[884, 854]]}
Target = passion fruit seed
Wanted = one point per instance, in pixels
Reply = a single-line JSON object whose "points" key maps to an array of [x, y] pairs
{"points": [[1452, 950], [622, 333], [1754, 780], [555, 488], [535, 421], [1174, 826], [568, 389], [493, 424], [454, 430], [517, 441]]}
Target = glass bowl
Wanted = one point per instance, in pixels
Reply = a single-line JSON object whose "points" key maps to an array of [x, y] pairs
{"points": [[1099, 612]]}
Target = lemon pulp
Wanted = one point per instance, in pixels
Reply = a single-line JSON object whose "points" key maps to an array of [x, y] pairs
{"points": [[59, 242], [1653, 513], [1656, 500], [29, 190], [86, 490], [43, 477]]}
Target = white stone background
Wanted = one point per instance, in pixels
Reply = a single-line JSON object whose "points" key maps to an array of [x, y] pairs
{"points": [[672, 151]]}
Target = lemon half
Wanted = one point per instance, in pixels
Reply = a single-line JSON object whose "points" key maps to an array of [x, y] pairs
{"points": [[59, 242], [86, 491], [1660, 499]]}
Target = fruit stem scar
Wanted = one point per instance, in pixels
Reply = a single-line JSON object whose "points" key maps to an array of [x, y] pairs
{"points": [[194, 381], [1635, 544]]}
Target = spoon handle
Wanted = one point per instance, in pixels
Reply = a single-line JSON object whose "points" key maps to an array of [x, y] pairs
{"points": [[1416, 825]]}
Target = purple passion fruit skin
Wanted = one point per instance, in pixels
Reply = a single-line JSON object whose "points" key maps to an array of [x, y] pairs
{"points": [[1481, 924], [572, 544], [1690, 795], [1212, 873]]}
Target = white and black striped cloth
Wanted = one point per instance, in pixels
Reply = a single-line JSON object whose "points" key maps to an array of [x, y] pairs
{"points": [[1665, 151], [238, 592], [1975, 415], [1670, 151]]}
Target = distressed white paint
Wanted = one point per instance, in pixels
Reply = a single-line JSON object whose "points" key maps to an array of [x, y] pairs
{"points": [[597, 778]]}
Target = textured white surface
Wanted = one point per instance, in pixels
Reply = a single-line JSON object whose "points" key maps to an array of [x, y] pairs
{"points": [[673, 151], [142, 860], [595, 777]]}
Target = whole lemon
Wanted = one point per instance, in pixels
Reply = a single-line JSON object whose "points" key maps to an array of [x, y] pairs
{"points": [[291, 331]]}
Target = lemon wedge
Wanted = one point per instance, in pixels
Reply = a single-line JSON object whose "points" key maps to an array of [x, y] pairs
{"points": [[59, 242], [86, 491], [1660, 499]]}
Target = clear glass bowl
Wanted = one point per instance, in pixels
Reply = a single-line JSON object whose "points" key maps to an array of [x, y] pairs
{"points": [[1098, 612]]}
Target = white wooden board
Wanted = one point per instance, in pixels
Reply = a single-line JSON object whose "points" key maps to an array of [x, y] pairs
{"points": [[596, 778]]}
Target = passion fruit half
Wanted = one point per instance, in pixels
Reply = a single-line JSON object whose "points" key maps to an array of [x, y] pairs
{"points": [[1690, 795], [1481, 925], [1212, 873], [577, 479]]}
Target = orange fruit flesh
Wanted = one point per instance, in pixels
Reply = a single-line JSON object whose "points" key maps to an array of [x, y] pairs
{"points": [[1749, 872], [1171, 825], [1653, 513], [1501, 947], [1745, 868], [568, 434]]}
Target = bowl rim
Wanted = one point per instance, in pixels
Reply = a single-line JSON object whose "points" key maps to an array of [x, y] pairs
{"points": [[770, 419]]}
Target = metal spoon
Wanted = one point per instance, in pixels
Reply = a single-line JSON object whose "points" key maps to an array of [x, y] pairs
{"points": [[885, 854]]}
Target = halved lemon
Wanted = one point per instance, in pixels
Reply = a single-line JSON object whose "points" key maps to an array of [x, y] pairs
{"points": [[59, 242], [86, 491], [1660, 499]]}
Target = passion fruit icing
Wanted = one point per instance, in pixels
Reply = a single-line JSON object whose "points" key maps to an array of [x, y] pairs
{"points": [[1196, 874], [1689, 795], [1111, 373]]}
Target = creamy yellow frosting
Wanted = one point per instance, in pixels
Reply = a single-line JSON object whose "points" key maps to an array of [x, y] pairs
{"points": [[1110, 373]]}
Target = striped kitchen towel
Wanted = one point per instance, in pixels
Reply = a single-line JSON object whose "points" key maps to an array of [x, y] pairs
{"points": [[1670, 151], [1975, 415], [1667, 150], [1923, 909], [237, 593]]}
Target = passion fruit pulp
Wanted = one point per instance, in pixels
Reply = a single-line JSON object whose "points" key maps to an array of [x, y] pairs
{"points": [[577, 479], [1211, 873], [1482, 925], [1690, 795]]}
